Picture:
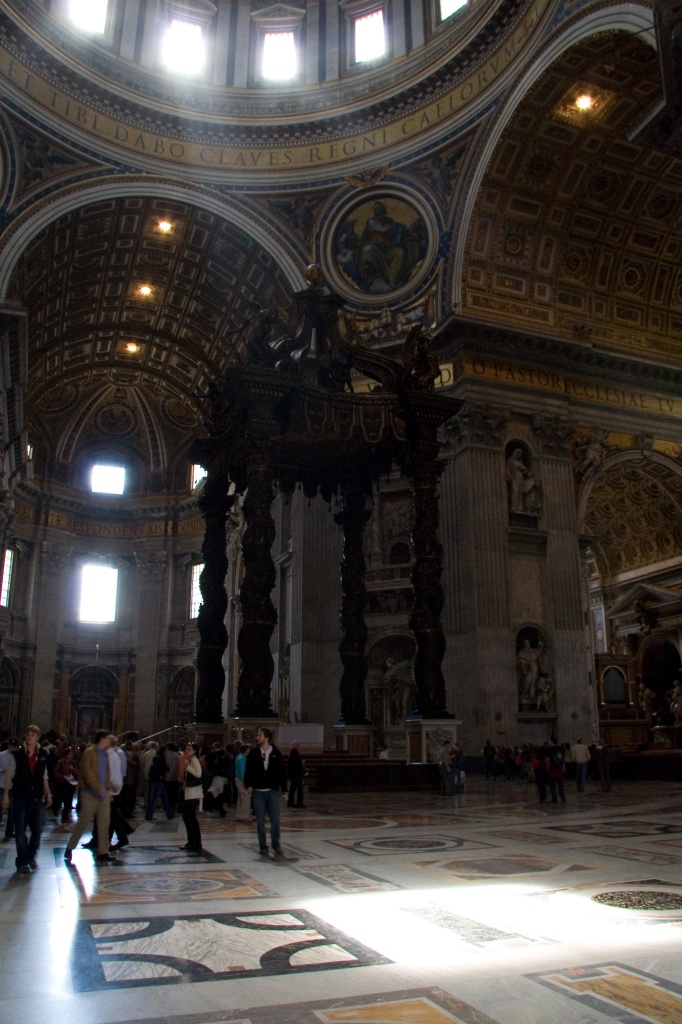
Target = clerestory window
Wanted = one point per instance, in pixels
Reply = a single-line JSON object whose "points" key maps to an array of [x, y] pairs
{"points": [[99, 585]]}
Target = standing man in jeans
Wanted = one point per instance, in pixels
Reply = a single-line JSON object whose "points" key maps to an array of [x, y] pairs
{"points": [[26, 776], [581, 758], [265, 778], [95, 785]]}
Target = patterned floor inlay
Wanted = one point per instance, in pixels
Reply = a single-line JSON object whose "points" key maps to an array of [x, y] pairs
{"points": [[144, 856], [172, 950], [345, 879], [640, 899], [383, 846], [413, 1006], [514, 864], [174, 888], [619, 829], [623, 853], [618, 991], [536, 838], [474, 933]]}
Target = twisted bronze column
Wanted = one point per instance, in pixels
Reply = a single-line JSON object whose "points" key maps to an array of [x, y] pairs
{"points": [[424, 468], [214, 503], [259, 616], [352, 519]]}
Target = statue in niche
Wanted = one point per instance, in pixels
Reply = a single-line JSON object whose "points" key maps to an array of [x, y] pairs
{"points": [[676, 701], [401, 689], [535, 687], [523, 488], [647, 700], [544, 694], [590, 451]]}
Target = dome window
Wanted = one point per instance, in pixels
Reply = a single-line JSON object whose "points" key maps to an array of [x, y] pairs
{"points": [[279, 56], [183, 49], [106, 479], [89, 15], [369, 36], [450, 7]]}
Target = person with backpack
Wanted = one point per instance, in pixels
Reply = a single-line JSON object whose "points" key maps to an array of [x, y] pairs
{"points": [[556, 772]]}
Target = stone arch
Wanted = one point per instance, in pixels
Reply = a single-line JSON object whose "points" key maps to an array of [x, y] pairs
{"points": [[633, 507], [93, 691]]}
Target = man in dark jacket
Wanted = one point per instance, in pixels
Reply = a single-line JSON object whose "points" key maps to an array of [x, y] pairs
{"points": [[27, 778], [265, 778]]}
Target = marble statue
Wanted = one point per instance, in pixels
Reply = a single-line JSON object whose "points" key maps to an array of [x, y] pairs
{"points": [[522, 485], [676, 702], [401, 688], [647, 699]]}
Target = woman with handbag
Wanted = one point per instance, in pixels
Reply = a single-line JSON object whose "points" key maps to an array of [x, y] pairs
{"points": [[193, 792]]}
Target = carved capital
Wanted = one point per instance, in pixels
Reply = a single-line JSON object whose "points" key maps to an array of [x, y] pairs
{"points": [[475, 424], [151, 564], [55, 557], [554, 434]]}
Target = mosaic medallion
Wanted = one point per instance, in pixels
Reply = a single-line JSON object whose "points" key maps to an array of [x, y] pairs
{"points": [[393, 844], [641, 900], [381, 244]]}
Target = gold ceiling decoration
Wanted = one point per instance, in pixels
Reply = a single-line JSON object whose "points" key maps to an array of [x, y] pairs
{"points": [[584, 105]]}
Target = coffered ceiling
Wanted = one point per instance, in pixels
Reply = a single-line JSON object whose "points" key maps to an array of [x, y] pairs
{"points": [[104, 357], [578, 230]]}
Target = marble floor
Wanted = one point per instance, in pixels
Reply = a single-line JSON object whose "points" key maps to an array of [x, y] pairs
{"points": [[484, 908]]}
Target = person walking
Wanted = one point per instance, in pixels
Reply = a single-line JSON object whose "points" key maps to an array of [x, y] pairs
{"points": [[265, 777], [296, 772], [581, 758], [604, 766], [5, 758], [193, 793], [556, 772], [243, 798], [26, 777], [95, 788], [158, 770]]}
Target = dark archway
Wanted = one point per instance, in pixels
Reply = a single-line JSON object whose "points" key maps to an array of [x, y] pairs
{"points": [[92, 692], [660, 665]]}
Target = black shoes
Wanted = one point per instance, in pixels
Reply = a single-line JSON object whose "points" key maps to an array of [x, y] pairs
{"points": [[264, 851], [67, 856], [105, 858]]}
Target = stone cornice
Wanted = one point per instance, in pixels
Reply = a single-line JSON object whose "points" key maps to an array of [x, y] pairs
{"points": [[457, 336], [33, 496]]}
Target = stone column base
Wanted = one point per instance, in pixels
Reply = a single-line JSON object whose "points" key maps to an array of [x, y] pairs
{"points": [[354, 739], [426, 736]]}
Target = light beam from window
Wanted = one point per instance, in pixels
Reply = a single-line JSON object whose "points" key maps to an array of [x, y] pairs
{"points": [[198, 474]]}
